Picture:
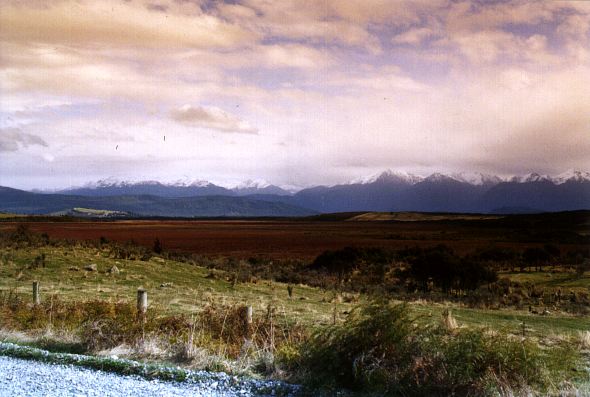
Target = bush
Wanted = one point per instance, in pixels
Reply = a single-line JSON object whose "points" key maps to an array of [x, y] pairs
{"points": [[373, 350], [446, 270], [381, 349], [344, 261]]}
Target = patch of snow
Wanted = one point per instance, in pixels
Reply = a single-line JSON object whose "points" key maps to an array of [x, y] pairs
{"points": [[532, 177], [252, 184], [388, 176], [438, 177], [572, 175], [477, 178]]}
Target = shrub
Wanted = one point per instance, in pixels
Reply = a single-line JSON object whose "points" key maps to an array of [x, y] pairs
{"points": [[370, 261], [446, 270], [381, 349], [373, 350]]}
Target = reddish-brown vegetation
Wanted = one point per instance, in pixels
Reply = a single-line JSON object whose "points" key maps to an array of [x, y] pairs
{"points": [[283, 239]]}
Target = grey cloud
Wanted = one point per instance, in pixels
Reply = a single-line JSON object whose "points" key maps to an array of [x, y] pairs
{"points": [[11, 139], [211, 118], [157, 7]]}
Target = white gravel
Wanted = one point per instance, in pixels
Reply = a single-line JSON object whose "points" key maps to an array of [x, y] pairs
{"points": [[20, 377]]}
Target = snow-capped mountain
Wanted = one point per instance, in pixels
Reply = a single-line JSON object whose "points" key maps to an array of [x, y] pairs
{"points": [[258, 186], [472, 178], [114, 182], [253, 184], [438, 177], [459, 192], [532, 177], [572, 176], [477, 178], [180, 188], [388, 176], [386, 191]]}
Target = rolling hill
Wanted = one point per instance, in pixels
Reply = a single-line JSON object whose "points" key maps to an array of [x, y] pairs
{"points": [[21, 202]]}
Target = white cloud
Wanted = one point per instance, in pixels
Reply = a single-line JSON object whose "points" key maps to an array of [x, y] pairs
{"points": [[98, 23], [343, 85], [211, 118]]}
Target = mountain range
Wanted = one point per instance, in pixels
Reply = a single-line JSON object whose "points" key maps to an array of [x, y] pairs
{"points": [[180, 188], [21, 202], [386, 191]]}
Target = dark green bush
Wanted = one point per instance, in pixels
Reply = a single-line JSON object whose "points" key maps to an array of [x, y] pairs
{"points": [[382, 349]]}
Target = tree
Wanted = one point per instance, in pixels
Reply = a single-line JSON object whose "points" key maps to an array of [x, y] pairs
{"points": [[447, 270], [157, 246], [536, 257]]}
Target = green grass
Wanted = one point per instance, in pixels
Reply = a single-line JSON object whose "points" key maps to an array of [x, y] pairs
{"points": [[7, 215], [509, 320], [188, 289], [182, 288], [92, 211], [549, 280], [379, 349]]}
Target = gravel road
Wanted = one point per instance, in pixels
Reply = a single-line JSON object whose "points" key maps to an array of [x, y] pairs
{"points": [[20, 377]]}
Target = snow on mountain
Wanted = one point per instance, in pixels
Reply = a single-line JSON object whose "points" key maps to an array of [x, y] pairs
{"points": [[387, 176], [262, 186], [472, 178], [252, 184], [187, 182], [477, 178], [532, 177], [110, 181], [258, 186], [438, 177], [572, 175], [114, 182]]}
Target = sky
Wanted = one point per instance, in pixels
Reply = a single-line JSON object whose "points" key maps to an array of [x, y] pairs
{"points": [[296, 92]]}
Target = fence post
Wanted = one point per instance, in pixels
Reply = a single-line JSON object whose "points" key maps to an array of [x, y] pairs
{"points": [[248, 322], [36, 297], [142, 303]]}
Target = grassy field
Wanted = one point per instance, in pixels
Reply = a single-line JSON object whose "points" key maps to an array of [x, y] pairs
{"points": [[173, 287], [177, 287], [196, 315]]}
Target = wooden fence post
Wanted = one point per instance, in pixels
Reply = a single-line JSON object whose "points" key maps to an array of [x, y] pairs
{"points": [[36, 297], [142, 303], [248, 321]]}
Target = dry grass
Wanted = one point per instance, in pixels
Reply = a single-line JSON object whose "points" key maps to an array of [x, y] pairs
{"points": [[216, 338], [585, 340], [449, 322]]}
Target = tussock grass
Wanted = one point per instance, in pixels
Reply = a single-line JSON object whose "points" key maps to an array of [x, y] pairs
{"points": [[585, 340], [213, 339], [382, 349]]}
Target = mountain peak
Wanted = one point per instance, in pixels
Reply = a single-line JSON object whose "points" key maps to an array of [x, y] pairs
{"points": [[252, 184], [438, 177], [477, 178], [572, 175], [259, 186], [532, 177], [388, 176]]}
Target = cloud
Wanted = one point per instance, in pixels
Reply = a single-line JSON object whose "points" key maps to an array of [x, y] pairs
{"points": [[96, 23], [13, 139], [344, 85], [211, 118], [414, 36]]}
